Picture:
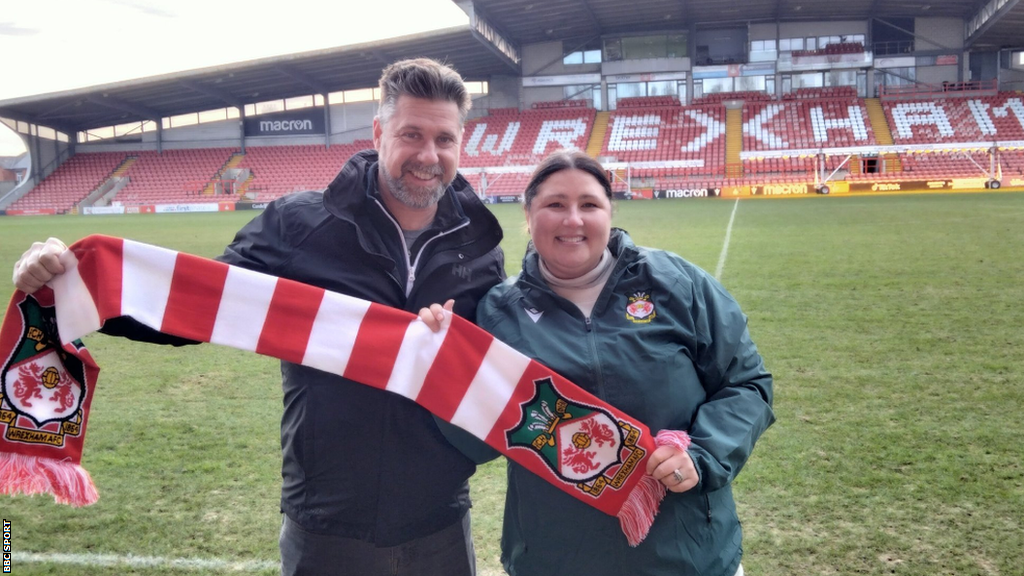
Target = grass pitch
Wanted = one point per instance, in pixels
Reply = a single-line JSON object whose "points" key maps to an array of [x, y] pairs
{"points": [[892, 326]]}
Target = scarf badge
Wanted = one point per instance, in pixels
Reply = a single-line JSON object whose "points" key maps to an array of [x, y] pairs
{"points": [[41, 385], [582, 445]]}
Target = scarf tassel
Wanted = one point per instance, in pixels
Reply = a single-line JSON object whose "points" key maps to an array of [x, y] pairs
{"points": [[638, 512], [68, 482]]}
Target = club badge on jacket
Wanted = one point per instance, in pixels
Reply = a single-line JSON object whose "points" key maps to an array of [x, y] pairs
{"points": [[640, 309]]}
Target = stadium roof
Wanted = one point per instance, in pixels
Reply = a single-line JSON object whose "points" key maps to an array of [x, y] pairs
{"points": [[518, 21], [314, 72], [528, 21]]}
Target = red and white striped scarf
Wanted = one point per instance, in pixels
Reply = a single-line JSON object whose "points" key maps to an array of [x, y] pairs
{"points": [[462, 374]]}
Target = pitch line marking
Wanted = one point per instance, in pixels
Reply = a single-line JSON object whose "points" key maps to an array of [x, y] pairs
{"points": [[113, 560], [725, 246]]}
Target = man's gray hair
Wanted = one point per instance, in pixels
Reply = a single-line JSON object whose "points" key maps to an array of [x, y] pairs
{"points": [[421, 78]]}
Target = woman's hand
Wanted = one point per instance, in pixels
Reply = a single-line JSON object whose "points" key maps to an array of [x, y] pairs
{"points": [[673, 468], [435, 316]]}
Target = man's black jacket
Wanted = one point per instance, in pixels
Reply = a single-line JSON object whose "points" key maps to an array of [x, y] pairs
{"points": [[357, 461]]}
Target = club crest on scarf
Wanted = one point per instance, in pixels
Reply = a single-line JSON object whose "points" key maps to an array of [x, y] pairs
{"points": [[42, 385], [583, 445], [640, 308]]}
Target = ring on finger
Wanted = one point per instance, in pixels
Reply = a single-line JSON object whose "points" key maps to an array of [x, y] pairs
{"points": [[678, 476]]}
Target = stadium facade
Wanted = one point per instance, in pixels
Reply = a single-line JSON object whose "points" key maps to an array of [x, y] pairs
{"points": [[679, 99]]}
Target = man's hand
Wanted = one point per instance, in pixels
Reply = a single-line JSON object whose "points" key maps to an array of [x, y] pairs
{"points": [[435, 317], [38, 265]]}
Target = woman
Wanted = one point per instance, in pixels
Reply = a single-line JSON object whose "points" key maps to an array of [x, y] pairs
{"points": [[652, 335]]}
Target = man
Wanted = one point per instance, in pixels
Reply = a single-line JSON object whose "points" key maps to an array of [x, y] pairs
{"points": [[370, 485]]}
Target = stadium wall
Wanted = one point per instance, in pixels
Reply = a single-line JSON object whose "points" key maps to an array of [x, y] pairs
{"points": [[938, 34], [763, 31], [720, 45], [287, 141], [45, 152], [225, 131], [809, 29], [172, 140], [772, 31], [646, 65], [1011, 79], [930, 31], [113, 147], [351, 122], [532, 96], [545, 59], [937, 74], [502, 92], [944, 36]]}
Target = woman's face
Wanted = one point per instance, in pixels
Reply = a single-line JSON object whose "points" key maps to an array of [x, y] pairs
{"points": [[570, 220]]}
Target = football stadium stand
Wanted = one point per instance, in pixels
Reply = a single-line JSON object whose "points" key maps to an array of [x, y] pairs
{"points": [[957, 119], [175, 176], [806, 124], [733, 113], [71, 182], [279, 170], [514, 138], [661, 144], [671, 133]]}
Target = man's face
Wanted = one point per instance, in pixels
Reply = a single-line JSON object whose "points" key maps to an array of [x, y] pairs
{"points": [[419, 150]]}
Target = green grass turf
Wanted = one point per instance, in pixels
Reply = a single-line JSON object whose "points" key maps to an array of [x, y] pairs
{"points": [[892, 326]]}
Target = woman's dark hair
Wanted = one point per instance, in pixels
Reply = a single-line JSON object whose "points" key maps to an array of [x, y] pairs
{"points": [[560, 160]]}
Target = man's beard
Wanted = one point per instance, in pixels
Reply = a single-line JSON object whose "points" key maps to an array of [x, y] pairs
{"points": [[415, 196]]}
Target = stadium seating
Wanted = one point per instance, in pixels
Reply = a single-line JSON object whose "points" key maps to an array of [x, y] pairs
{"points": [[641, 130], [1012, 162], [672, 133], [71, 182], [957, 119], [280, 170], [806, 124], [802, 166], [560, 104], [523, 139], [661, 134], [173, 176], [946, 165], [509, 184]]}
